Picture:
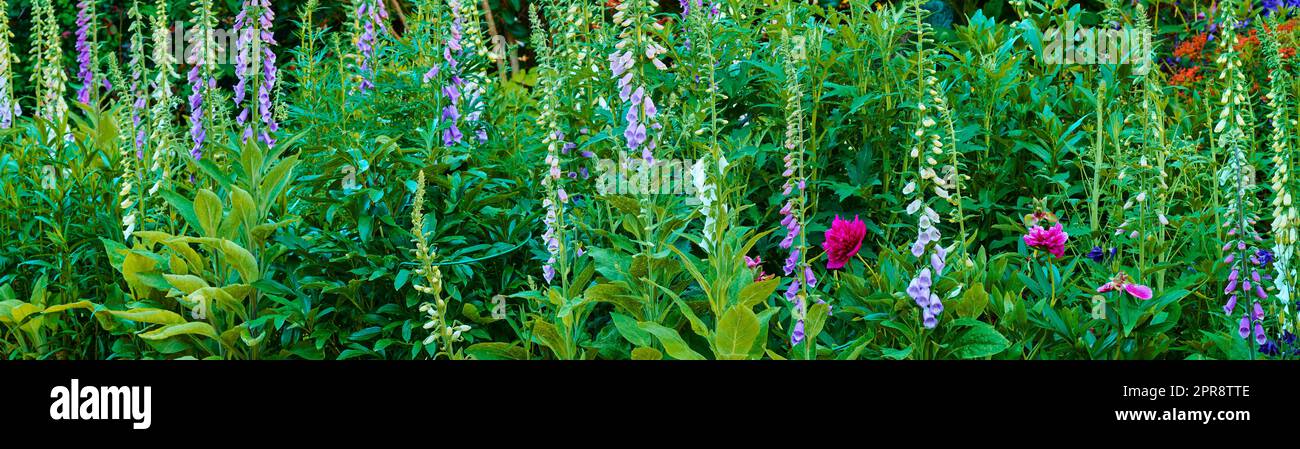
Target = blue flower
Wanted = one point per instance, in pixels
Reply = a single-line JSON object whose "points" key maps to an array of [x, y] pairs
{"points": [[1095, 254], [1265, 257], [1269, 348]]}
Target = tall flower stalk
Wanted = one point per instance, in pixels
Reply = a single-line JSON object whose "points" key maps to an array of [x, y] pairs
{"points": [[47, 53], [86, 50], [557, 199], [452, 53], [370, 21], [1286, 219], [794, 190], [634, 52], [1237, 179], [634, 43], [202, 78], [164, 102], [136, 65], [9, 108], [255, 67], [707, 174], [131, 194], [440, 327], [933, 177], [1145, 211]]}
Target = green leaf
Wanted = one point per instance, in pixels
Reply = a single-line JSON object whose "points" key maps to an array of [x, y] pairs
{"points": [[242, 259], [185, 283], [148, 315], [896, 354], [673, 343], [133, 265], [816, 320], [758, 292], [627, 327], [83, 304], [243, 206], [981, 340], [183, 206], [277, 179], [646, 354], [496, 351], [207, 208], [737, 331], [192, 328], [546, 334], [973, 302]]}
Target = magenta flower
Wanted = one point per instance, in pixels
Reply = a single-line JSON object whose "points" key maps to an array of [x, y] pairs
{"points": [[843, 240], [1050, 240], [1121, 282]]}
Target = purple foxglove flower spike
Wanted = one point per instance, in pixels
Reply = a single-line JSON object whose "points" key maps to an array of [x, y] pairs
{"points": [[85, 74]]}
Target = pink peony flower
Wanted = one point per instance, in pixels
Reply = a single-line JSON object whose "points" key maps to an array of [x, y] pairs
{"points": [[1050, 240], [843, 240], [1122, 282]]}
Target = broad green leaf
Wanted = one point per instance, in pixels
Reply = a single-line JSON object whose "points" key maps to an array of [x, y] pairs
{"points": [[83, 304], [644, 353], [147, 315], [207, 208], [191, 328], [673, 343], [973, 302], [816, 320], [496, 351], [243, 206], [980, 340], [242, 259], [896, 354], [758, 292], [627, 327], [736, 333], [548, 336], [185, 283]]}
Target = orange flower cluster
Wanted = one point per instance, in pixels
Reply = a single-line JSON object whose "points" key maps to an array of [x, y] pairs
{"points": [[1248, 42], [1187, 76], [1192, 49]]}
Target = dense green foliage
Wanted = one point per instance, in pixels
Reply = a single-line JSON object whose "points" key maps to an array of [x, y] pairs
{"points": [[409, 185]]}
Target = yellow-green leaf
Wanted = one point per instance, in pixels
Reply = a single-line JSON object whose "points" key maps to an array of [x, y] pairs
{"points": [[185, 283], [191, 328], [242, 259], [673, 343], [758, 292], [646, 354], [207, 208], [147, 315], [737, 331], [83, 304]]}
